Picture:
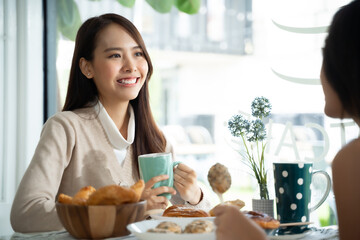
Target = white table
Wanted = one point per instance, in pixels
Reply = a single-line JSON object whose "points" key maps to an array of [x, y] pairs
{"points": [[326, 233]]}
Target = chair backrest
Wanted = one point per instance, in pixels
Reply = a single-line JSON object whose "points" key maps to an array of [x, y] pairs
{"points": [[199, 135]]}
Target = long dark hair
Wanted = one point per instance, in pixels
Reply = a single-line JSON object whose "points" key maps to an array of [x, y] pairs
{"points": [[82, 92], [341, 56]]}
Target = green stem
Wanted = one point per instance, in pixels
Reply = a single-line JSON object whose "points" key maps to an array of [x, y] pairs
{"points": [[264, 194], [246, 147]]}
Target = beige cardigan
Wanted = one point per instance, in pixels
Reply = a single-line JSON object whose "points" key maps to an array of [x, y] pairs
{"points": [[74, 151]]}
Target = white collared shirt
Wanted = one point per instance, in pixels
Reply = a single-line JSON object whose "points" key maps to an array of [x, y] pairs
{"points": [[119, 143]]}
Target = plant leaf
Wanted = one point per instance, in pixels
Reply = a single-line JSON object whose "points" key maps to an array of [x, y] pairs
{"points": [[68, 18], [188, 6], [162, 6], [127, 3]]}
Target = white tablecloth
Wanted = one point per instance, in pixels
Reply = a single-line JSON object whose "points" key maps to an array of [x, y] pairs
{"points": [[325, 233]]}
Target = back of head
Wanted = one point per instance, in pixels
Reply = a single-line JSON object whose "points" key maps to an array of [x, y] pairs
{"points": [[342, 56]]}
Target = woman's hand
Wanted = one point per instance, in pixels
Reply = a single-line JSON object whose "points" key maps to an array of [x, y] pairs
{"points": [[186, 183], [150, 195], [231, 224]]}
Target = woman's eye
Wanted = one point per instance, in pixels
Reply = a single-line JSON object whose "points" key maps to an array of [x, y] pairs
{"points": [[139, 54], [116, 55]]}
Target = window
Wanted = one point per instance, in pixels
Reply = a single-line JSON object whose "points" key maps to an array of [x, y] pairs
{"points": [[21, 92], [211, 65]]}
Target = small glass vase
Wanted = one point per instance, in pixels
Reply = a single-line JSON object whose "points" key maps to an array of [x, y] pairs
{"points": [[264, 204], [264, 193]]}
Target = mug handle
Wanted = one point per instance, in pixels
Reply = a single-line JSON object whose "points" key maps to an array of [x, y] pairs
{"points": [[176, 163], [328, 188]]}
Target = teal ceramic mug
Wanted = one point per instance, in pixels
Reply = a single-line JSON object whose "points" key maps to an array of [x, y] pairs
{"points": [[155, 164], [293, 192]]}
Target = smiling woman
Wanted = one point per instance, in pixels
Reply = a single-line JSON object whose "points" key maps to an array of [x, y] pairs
{"points": [[106, 123], [118, 67]]}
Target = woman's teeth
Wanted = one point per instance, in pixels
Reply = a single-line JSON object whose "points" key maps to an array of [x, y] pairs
{"points": [[127, 81]]}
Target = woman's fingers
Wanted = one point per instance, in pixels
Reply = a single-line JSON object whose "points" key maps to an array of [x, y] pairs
{"points": [[157, 202], [184, 175], [184, 171], [152, 194], [147, 193], [186, 183], [180, 180], [163, 189], [153, 180]]}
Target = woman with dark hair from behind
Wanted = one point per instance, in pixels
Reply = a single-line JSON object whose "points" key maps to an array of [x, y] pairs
{"points": [[106, 123], [340, 79]]}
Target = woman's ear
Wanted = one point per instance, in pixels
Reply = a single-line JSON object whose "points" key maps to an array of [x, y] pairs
{"points": [[85, 68]]}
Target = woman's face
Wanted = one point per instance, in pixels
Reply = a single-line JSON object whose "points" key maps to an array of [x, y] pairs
{"points": [[119, 67], [333, 106]]}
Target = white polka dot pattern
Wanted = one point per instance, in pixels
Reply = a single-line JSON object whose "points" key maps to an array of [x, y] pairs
{"points": [[293, 206], [285, 173], [300, 181], [299, 196]]}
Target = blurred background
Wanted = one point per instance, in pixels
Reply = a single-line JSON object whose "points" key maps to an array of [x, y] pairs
{"points": [[211, 59]]}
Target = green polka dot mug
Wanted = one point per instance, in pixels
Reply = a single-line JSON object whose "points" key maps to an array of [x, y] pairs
{"points": [[293, 192]]}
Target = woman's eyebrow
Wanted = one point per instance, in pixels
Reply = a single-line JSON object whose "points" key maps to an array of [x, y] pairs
{"points": [[119, 48]]}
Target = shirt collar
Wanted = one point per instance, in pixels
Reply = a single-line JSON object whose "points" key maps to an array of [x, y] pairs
{"points": [[114, 135]]}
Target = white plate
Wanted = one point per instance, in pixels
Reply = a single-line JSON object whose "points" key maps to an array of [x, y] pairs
{"points": [[139, 229]]}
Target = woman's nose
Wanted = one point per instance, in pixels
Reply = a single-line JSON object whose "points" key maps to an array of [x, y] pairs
{"points": [[129, 65]]}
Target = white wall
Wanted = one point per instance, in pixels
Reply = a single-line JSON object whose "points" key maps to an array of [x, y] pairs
{"points": [[21, 95]]}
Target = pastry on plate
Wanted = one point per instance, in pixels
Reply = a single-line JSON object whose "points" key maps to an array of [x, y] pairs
{"points": [[169, 226], [158, 230], [262, 219], [184, 211], [237, 203], [199, 226]]}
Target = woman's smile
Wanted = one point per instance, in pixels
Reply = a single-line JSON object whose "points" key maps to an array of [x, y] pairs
{"points": [[128, 82]]}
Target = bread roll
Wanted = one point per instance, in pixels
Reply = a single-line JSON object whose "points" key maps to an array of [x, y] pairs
{"points": [[265, 221], [237, 203], [199, 226], [82, 195], [107, 195], [169, 226], [184, 211]]}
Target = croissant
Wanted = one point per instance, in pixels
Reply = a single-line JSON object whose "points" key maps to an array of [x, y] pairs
{"points": [[107, 195]]}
